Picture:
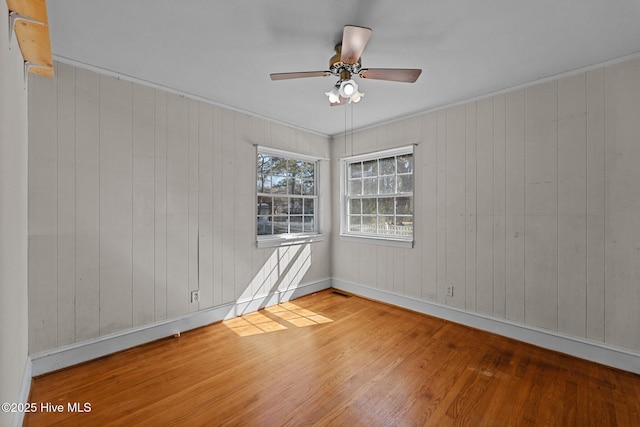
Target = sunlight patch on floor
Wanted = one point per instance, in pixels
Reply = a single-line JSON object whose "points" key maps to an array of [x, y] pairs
{"points": [[289, 313]]}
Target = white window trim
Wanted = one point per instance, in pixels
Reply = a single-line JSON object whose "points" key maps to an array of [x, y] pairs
{"points": [[271, 241], [345, 235]]}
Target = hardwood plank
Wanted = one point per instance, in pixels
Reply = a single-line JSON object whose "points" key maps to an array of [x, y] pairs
{"points": [[367, 364]]}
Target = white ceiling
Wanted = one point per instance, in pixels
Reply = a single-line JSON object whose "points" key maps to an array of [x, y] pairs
{"points": [[223, 51]]}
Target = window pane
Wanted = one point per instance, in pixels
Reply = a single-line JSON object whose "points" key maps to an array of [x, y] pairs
{"points": [[355, 170], [309, 223], [355, 187], [308, 187], [307, 170], [370, 186], [278, 166], [265, 205], [294, 167], [279, 185], [264, 163], [380, 197], [295, 206], [385, 205], [388, 166], [288, 180], [386, 225], [405, 183], [259, 184], [264, 184], [404, 226], [406, 221], [280, 205], [405, 163], [295, 224], [280, 224], [355, 206], [404, 206], [297, 186], [309, 206], [370, 168], [264, 226], [369, 206], [387, 185], [369, 224], [355, 222]]}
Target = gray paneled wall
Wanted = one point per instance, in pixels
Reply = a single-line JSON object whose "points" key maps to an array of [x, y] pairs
{"points": [[138, 196], [527, 202]]}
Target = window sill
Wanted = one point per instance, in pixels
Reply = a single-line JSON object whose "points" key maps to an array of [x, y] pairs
{"points": [[377, 240], [275, 242]]}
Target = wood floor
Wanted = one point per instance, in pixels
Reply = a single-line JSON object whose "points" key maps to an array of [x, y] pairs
{"points": [[327, 359]]}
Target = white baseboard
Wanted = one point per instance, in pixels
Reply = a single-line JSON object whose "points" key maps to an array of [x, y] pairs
{"points": [[590, 350], [73, 354], [25, 389], [84, 351]]}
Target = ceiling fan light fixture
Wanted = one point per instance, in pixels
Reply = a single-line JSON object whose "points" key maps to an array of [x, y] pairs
{"points": [[348, 88], [356, 97], [333, 94]]}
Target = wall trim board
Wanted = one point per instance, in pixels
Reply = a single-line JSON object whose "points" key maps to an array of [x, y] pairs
{"points": [[63, 357], [589, 350], [25, 389], [73, 354], [128, 78]]}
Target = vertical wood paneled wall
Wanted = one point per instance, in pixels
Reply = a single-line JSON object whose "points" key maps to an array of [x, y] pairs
{"points": [[527, 203], [138, 196]]}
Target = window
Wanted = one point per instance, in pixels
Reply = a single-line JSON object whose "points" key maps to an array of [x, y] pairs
{"points": [[377, 196], [287, 198]]}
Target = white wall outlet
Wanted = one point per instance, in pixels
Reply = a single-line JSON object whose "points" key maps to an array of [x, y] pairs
{"points": [[449, 292], [195, 296]]}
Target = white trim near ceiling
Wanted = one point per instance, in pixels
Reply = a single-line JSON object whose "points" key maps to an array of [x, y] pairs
{"points": [[126, 77], [544, 79]]}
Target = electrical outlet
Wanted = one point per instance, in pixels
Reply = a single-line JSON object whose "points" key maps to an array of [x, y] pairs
{"points": [[195, 296], [449, 291]]}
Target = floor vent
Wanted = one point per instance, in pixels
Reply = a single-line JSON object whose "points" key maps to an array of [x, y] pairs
{"points": [[341, 294]]}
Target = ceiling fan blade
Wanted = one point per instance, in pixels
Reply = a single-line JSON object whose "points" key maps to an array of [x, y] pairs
{"points": [[405, 75], [298, 75], [354, 39]]}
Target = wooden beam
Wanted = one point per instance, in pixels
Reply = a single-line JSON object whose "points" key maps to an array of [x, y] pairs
{"points": [[32, 32], [34, 9]]}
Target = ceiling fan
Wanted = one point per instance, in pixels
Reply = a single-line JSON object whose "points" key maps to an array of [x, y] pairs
{"points": [[346, 63]]}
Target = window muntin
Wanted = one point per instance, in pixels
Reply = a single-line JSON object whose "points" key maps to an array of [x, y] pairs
{"points": [[378, 195], [287, 201]]}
